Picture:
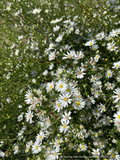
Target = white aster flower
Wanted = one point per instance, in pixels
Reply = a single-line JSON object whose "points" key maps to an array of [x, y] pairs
{"points": [[49, 86], [51, 56], [64, 127], [96, 152], [16, 149], [61, 86], [66, 117], [69, 55], [58, 106], [79, 73], [83, 147], [58, 39], [36, 148], [109, 73], [36, 11], [64, 99], [116, 65], [29, 116], [117, 96], [79, 103], [56, 28], [90, 43], [40, 137]]}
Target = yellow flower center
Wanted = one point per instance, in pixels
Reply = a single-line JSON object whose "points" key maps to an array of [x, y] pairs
{"points": [[83, 147], [68, 90], [78, 103], [58, 104], [96, 111], [29, 115], [55, 154], [30, 96], [61, 86], [119, 116], [90, 43], [58, 140], [119, 95], [51, 86], [113, 47], [69, 56], [40, 137], [60, 72], [64, 126], [36, 147], [65, 99], [113, 155]]}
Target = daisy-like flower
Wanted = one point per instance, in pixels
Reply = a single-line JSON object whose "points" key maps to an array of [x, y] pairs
{"points": [[66, 117], [100, 36], [50, 86], [28, 96], [83, 147], [51, 56], [58, 39], [94, 47], [16, 52], [111, 46], [90, 43], [36, 11], [96, 58], [56, 28], [51, 46], [116, 65], [29, 116], [77, 31], [117, 115], [36, 148], [38, 100], [96, 152], [16, 149], [96, 112], [56, 20], [110, 86], [114, 33], [84, 133], [54, 155], [64, 99], [101, 107], [89, 100], [69, 55], [105, 120], [79, 103], [109, 73], [60, 86], [64, 127], [79, 73], [40, 137], [79, 55], [58, 106]]}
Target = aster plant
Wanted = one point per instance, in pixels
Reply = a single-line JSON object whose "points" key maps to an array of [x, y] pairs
{"points": [[60, 94]]}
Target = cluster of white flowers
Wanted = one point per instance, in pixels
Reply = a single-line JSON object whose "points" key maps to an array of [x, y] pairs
{"points": [[66, 110]]}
